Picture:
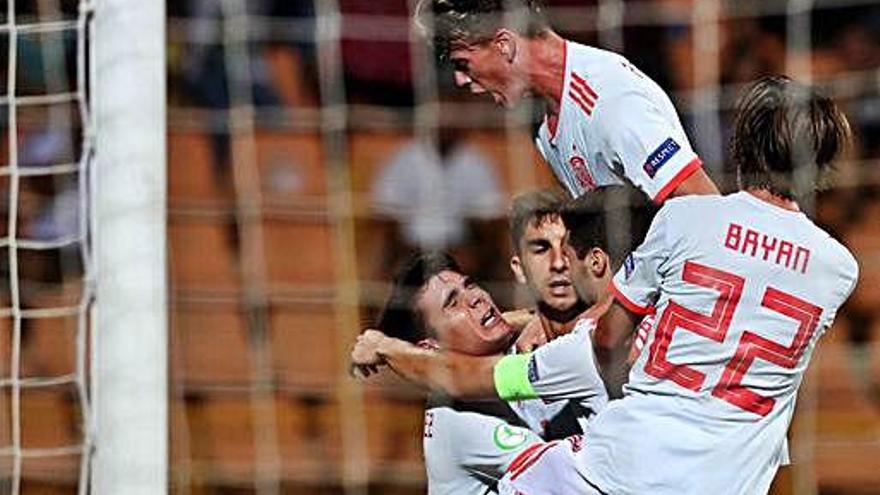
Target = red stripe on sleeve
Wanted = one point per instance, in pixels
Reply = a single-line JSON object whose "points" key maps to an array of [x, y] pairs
{"points": [[532, 459], [627, 303], [585, 85], [583, 94], [677, 179], [586, 108]]}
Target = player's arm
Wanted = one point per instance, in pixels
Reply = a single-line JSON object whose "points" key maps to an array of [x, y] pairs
{"points": [[634, 288], [519, 318], [562, 369], [612, 342], [455, 374]]}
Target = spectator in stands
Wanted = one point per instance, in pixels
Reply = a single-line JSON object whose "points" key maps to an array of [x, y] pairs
{"points": [[208, 77], [438, 195]]}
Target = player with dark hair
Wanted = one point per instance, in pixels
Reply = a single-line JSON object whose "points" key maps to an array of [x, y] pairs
{"points": [[742, 287], [605, 120], [468, 445], [559, 369], [539, 262]]}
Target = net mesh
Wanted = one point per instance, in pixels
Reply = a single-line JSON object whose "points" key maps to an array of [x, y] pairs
{"points": [[47, 294], [286, 120]]}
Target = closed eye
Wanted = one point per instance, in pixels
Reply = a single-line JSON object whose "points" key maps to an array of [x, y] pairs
{"points": [[449, 300]]}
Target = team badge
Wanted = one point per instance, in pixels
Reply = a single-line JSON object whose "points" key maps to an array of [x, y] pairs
{"points": [[581, 172], [660, 156], [507, 437]]}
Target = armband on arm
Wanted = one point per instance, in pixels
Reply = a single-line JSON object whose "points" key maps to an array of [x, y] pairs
{"points": [[511, 376]]}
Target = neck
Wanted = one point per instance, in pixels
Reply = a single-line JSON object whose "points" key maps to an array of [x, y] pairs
{"points": [[774, 199], [559, 322], [546, 69], [599, 309]]}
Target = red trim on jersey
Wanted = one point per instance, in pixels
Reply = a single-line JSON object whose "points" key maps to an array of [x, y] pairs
{"points": [[680, 177], [523, 456], [528, 458], [628, 303], [585, 85]]}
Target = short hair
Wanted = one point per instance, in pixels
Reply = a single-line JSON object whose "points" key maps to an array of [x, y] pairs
{"points": [[448, 23], [534, 207], [588, 220], [399, 319], [785, 137]]}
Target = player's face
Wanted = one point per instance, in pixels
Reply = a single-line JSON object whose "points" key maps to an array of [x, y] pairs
{"points": [[463, 315], [483, 68], [590, 275], [543, 265]]}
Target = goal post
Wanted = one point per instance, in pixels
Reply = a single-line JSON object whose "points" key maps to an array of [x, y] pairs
{"points": [[130, 332]]}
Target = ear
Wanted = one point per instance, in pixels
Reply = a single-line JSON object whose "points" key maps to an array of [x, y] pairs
{"points": [[517, 269], [598, 262], [505, 42]]}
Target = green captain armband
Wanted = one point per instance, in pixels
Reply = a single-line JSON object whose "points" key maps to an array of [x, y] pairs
{"points": [[512, 378]]}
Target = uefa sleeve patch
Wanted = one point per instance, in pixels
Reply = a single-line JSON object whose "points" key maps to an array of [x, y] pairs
{"points": [[660, 156], [533, 370], [629, 266]]}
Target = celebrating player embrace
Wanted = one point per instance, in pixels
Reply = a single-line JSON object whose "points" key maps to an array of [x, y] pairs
{"points": [[742, 287], [605, 120]]}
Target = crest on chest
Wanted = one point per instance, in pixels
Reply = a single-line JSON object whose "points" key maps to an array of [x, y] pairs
{"points": [[580, 170]]}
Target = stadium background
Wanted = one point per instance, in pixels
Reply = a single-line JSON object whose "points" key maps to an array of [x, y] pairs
{"points": [[281, 118]]}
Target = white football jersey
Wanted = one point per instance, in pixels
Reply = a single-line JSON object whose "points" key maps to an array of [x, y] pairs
{"points": [[467, 453], [614, 122], [563, 369], [552, 419], [742, 291]]}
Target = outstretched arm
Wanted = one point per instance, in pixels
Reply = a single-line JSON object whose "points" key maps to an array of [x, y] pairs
{"points": [[457, 375]]}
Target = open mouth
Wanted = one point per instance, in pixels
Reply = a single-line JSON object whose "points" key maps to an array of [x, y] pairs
{"points": [[559, 287], [490, 318]]}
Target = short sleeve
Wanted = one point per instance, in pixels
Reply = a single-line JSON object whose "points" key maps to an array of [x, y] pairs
{"points": [[644, 138], [562, 369], [636, 285]]}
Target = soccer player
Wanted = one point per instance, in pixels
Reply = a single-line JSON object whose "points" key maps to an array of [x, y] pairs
{"points": [[605, 120], [539, 263], [743, 287], [466, 451], [741, 297], [560, 369]]}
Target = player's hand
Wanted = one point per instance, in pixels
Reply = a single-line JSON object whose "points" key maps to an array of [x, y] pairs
{"points": [[365, 357], [519, 318], [531, 337]]}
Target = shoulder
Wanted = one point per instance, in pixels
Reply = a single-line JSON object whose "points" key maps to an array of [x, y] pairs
{"points": [[693, 203], [840, 256]]}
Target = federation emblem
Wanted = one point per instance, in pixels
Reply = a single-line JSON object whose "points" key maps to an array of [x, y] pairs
{"points": [[507, 437], [581, 172]]}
